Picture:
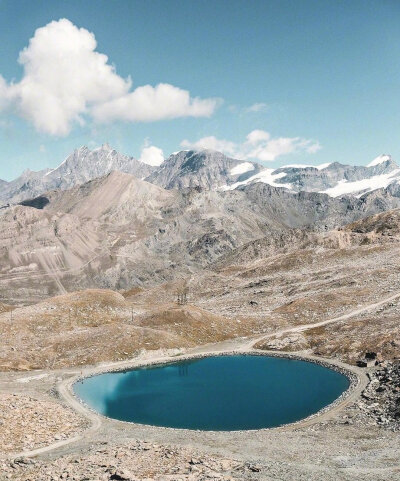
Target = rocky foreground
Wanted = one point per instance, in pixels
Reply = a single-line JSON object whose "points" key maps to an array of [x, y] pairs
{"points": [[381, 398], [27, 423], [135, 461]]}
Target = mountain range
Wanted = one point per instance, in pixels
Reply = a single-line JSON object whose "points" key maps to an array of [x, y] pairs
{"points": [[103, 219], [207, 169]]}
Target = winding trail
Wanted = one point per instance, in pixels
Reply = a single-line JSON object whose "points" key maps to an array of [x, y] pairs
{"points": [[75, 404], [244, 345], [306, 327]]}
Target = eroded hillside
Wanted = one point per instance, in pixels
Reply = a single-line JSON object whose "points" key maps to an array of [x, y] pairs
{"points": [[268, 289]]}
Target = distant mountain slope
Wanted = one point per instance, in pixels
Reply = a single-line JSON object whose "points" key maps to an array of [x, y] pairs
{"points": [[207, 169], [117, 197], [386, 224], [79, 167], [142, 234], [212, 170], [334, 179]]}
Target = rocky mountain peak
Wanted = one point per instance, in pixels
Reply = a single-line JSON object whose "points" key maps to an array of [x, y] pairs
{"points": [[79, 167], [208, 169]]}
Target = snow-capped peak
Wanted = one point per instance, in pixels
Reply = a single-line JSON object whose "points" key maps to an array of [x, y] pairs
{"points": [[379, 160]]}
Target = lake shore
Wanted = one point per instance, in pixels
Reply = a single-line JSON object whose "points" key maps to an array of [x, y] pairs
{"points": [[335, 444]]}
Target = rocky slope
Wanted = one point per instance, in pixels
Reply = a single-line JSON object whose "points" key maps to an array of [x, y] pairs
{"points": [[284, 279], [79, 167], [134, 461], [207, 169], [25, 423], [381, 398], [120, 232]]}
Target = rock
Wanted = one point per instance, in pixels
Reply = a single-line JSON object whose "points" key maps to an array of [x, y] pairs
{"points": [[254, 468], [122, 475], [380, 399]]}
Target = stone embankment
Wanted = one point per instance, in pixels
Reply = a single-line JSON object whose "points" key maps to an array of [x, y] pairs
{"points": [[380, 401]]}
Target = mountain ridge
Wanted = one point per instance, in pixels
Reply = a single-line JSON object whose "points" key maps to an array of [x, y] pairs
{"points": [[206, 169], [81, 166]]}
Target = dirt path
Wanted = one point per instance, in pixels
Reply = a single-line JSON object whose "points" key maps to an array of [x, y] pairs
{"points": [[94, 420], [306, 327]]}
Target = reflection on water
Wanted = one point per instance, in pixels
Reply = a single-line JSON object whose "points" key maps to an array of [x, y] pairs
{"points": [[219, 393]]}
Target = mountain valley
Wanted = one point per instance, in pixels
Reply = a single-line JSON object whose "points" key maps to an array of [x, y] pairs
{"points": [[93, 267]]}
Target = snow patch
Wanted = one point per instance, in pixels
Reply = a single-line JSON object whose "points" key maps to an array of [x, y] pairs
{"points": [[323, 166], [305, 166], [359, 187], [379, 160], [266, 176], [242, 168]]}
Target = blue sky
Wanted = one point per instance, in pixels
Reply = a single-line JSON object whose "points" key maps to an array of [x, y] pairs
{"points": [[283, 81]]}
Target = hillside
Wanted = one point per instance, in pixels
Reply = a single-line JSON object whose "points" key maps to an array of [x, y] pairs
{"points": [[120, 232], [277, 282]]}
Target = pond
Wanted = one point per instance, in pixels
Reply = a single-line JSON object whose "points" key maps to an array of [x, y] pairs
{"points": [[220, 393]]}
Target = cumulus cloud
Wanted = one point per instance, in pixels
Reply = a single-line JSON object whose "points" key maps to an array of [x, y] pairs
{"points": [[66, 80], [258, 145], [147, 104], [151, 154], [257, 136]]}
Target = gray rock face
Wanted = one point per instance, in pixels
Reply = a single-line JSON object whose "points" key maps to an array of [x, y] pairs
{"points": [[316, 210], [207, 169], [79, 167]]}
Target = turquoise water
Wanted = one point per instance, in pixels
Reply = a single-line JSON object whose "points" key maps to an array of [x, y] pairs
{"points": [[215, 393]]}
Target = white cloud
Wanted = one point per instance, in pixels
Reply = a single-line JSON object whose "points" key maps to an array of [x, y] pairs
{"points": [[270, 149], [257, 136], [257, 107], [147, 104], [65, 79], [3, 93], [210, 143], [259, 145], [151, 154], [313, 147]]}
